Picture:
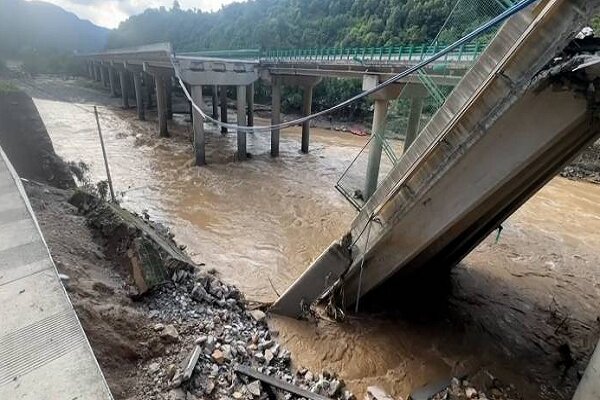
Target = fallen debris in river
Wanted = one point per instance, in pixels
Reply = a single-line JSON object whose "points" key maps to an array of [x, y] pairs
{"points": [[481, 386]]}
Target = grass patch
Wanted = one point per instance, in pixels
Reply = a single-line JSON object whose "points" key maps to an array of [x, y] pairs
{"points": [[7, 87]]}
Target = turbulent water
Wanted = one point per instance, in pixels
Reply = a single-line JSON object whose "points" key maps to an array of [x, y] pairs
{"points": [[512, 303]]}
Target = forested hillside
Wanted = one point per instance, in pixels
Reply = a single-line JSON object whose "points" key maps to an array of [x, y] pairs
{"points": [[295, 23]]}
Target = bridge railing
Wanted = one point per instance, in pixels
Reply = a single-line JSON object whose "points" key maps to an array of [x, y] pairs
{"points": [[410, 53]]}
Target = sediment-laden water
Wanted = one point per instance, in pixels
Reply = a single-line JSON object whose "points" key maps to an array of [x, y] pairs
{"points": [[513, 302]]}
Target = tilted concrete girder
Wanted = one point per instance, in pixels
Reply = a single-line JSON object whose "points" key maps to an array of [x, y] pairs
{"points": [[497, 139]]}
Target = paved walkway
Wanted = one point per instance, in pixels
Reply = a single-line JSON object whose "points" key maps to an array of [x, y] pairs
{"points": [[44, 353]]}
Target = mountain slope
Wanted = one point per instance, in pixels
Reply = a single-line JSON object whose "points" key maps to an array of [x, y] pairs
{"points": [[45, 28]]}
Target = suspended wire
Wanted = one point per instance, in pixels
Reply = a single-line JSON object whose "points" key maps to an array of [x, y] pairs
{"points": [[465, 39]]}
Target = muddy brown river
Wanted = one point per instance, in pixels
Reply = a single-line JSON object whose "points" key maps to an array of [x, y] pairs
{"points": [[513, 304]]}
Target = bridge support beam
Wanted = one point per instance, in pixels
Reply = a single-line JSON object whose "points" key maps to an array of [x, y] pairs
{"points": [[139, 96], [112, 82], [250, 103], [223, 103], [275, 116], [382, 99], [414, 119], [124, 88], [241, 121], [215, 102], [198, 123], [169, 91]]}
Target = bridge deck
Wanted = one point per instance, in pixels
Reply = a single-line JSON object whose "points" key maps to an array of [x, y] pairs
{"points": [[44, 353]]}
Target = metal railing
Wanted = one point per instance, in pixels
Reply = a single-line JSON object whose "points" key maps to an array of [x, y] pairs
{"points": [[411, 53]]}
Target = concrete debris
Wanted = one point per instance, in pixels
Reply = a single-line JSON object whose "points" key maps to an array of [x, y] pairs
{"points": [[258, 315], [254, 388], [205, 327], [169, 334], [481, 386], [377, 393]]}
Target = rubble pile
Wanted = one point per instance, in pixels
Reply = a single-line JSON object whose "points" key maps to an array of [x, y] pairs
{"points": [[487, 388], [204, 331]]}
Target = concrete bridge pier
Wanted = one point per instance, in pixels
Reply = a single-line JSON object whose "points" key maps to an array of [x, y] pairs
{"points": [[149, 87], [275, 115], [161, 77], [215, 102], [414, 119], [241, 121], [103, 76], [112, 81], [223, 103], [169, 91], [306, 110], [90, 69], [96, 72], [139, 96], [124, 87], [198, 124], [250, 103], [381, 104]]}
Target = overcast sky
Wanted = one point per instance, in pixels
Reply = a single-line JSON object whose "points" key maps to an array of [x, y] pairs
{"points": [[109, 13]]}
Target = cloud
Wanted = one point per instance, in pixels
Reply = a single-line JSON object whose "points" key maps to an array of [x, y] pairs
{"points": [[109, 13]]}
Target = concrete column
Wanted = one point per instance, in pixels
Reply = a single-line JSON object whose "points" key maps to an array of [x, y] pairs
{"points": [[250, 103], [198, 123], [149, 85], [589, 386], [139, 96], [306, 109], [124, 88], [241, 121], [215, 102], [169, 90], [223, 97], [95, 72], [90, 68], [131, 85], [275, 116], [414, 118], [375, 146], [161, 105], [98, 73], [103, 76], [111, 82]]}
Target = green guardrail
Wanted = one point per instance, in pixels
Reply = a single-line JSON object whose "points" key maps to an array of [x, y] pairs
{"points": [[464, 53]]}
